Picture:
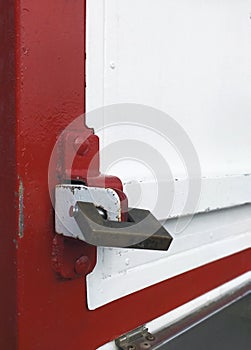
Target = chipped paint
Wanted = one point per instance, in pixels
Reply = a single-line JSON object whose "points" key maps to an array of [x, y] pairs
{"points": [[21, 209], [16, 243]]}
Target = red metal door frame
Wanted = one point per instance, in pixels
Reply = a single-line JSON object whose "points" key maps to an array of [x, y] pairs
{"points": [[42, 90]]}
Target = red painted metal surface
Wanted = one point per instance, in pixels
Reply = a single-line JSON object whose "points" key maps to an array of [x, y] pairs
{"points": [[41, 92], [8, 180], [72, 258], [78, 158]]}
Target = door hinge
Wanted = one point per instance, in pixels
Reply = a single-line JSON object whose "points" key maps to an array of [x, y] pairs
{"points": [[137, 339]]}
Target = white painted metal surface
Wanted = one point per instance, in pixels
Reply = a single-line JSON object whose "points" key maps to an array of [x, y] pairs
{"points": [[191, 60]]}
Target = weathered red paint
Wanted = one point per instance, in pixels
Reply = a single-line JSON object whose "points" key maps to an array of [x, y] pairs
{"points": [[8, 179], [77, 157], [82, 265], [78, 160], [41, 91], [68, 255]]}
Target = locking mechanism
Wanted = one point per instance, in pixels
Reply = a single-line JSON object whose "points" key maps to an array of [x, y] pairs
{"points": [[95, 216]]}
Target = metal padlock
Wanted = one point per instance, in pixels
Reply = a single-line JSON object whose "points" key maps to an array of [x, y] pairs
{"points": [[78, 215]]}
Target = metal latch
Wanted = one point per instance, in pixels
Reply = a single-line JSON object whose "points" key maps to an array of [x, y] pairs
{"points": [[137, 339], [78, 215]]}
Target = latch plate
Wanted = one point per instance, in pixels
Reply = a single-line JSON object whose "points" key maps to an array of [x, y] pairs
{"points": [[68, 195]]}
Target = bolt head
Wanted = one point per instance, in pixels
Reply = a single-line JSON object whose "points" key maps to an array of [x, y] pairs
{"points": [[82, 265], [150, 337]]}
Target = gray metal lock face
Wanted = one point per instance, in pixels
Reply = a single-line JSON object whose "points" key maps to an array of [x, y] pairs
{"points": [[142, 230]]}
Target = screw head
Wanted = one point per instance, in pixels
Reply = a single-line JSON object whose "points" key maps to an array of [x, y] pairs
{"points": [[150, 337], [131, 347]]}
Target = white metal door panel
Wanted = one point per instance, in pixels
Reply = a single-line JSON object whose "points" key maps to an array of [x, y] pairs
{"points": [[192, 61]]}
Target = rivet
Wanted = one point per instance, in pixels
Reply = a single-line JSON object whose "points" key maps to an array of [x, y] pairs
{"points": [[73, 210]]}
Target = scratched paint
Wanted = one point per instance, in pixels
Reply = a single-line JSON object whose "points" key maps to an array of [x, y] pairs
{"points": [[21, 209]]}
